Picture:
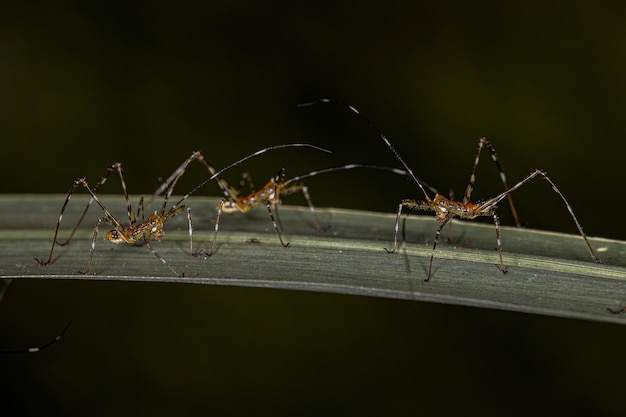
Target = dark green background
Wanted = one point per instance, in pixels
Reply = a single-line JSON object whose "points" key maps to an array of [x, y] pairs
{"points": [[84, 84]]}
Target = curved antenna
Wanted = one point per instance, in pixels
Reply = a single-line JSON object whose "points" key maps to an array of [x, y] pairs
{"points": [[39, 348], [380, 133], [252, 155], [354, 166]]}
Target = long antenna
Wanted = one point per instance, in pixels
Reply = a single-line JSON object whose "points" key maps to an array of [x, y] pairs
{"points": [[252, 155], [354, 166], [380, 133], [39, 348]]}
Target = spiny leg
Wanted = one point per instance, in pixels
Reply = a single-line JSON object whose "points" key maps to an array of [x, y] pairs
{"points": [[483, 142], [432, 255], [140, 210], [290, 189], [163, 261], [394, 248], [411, 205], [450, 237], [294, 185], [81, 181], [168, 188], [491, 204], [131, 216], [124, 236], [496, 221], [58, 225], [571, 212], [153, 228], [108, 219], [157, 231], [220, 205], [280, 238], [307, 196], [482, 209], [215, 174], [272, 193], [135, 231], [94, 240], [190, 231], [274, 200], [406, 217], [275, 188], [220, 208], [168, 185], [282, 187], [230, 194], [228, 190], [82, 216]]}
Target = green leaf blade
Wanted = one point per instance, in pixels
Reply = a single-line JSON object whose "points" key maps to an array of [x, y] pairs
{"points": [[548, 273]]}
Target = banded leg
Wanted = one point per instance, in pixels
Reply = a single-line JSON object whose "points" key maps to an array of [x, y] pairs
{"points": [[280, 238], [82, 181], [307, 196], [496, 221], [411, 205], [483, 142], [131, 216], [432, 254], [101, 220], [220, 206], [490, 204], [163, 261]]}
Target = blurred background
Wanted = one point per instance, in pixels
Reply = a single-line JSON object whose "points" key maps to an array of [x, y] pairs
{"points": [[85, 84]]}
